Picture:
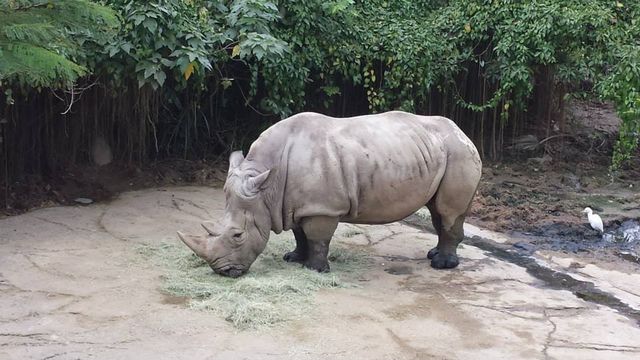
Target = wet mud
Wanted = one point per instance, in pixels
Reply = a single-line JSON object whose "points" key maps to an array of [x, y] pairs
{"points": [[621, 239]]}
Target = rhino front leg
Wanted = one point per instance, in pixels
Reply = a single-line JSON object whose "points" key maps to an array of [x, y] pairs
{"points": [[319, 231], [301, 252]]}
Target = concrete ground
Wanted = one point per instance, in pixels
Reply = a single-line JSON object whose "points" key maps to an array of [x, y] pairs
{"points": [[73, 287]]}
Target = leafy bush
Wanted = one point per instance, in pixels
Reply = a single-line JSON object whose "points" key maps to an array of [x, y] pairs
{"points": [[621, 82], [193, 77]]}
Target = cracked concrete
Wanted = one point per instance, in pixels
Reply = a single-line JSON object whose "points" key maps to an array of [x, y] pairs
{"points": [[73, 287]]}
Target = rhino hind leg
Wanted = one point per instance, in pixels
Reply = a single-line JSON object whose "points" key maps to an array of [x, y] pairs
{"points": [[301, 252], [318, 231], [436, 220], [444, 256], [446, 239], [448, 208]]}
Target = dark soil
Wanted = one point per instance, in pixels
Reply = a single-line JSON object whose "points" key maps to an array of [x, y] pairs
{"points": [[101, 183], [538, 195]]}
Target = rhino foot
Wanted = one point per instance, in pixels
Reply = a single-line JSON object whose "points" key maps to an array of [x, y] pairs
{"points": [[444, 261], [294, 256], [321, 267], [433, 252]]}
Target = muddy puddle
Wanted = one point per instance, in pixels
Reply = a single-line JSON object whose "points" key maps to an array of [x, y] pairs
{"points": [[621, 238]]}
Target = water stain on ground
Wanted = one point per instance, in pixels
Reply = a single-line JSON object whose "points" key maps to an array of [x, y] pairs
{"points": [[399, 269], [553, 279], [169, 299], [438, 308]]}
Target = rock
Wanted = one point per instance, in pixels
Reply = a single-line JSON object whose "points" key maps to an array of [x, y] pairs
{"points": [[526, 143], [83, 201], [571, 180], [539, 161], [525, 246], [630, 231], [629, 256], [101, 152]]}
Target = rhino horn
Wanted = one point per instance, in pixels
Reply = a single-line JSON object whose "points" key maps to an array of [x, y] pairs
{"points": [[196, 243], [211, 228]]}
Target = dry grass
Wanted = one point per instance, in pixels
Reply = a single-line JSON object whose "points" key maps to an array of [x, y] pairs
{"points": [[272, 292], [423, 214], [351, 233]]}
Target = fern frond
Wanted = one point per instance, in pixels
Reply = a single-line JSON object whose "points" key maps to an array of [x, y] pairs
{"points": [[34, 66], [40, 41], [38, 33], [21, 5], [62, 14]]}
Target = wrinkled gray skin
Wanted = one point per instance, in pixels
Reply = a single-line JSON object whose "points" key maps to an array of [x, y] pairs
{"points": [[309, 172]]}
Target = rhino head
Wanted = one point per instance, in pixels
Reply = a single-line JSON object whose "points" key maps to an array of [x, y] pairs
{"points": [[241, 235]]}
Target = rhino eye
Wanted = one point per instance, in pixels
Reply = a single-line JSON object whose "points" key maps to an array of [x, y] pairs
{"points": [[237, 235]]}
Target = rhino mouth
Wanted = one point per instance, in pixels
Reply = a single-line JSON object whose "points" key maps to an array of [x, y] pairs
{"points": [[232, 271]]}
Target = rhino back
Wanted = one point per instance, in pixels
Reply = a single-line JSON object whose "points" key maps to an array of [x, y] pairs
{"points": [[368, 169]]}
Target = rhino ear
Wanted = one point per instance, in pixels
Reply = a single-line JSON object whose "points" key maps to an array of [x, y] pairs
{"points": [[212, 228], [235, 160], [254, 184]]}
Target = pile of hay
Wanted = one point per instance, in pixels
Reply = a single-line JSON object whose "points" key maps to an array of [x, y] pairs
{"points": [[272, 292]]}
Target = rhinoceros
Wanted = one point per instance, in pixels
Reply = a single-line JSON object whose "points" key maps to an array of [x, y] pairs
{"points": [[309, 172]]}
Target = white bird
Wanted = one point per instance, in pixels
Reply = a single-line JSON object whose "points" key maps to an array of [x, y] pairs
{"points": [[594, 220]]}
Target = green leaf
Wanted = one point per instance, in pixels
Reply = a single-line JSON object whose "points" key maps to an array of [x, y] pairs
{"points": [[160, 77], [167, 62], [151, 25], [148, 71], [127, 47]]}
